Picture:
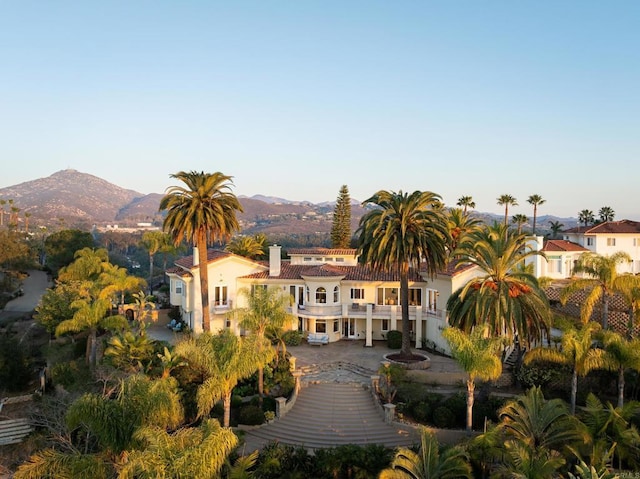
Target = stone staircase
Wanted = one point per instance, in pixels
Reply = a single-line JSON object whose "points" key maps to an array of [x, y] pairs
{"points": [[332, 414]]}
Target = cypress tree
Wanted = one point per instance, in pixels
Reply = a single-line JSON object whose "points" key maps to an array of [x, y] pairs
{"points": [[341, 227]]}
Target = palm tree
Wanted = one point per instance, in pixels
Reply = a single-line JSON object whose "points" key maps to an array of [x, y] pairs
{"points": [[507, 298], [460, 225], [556, 227], [586, 217], [479, 355], [221, 360], [525, 462], [202, 212], [50, 463], [606, 213], [27, 215], [403, 232], [188, 452], [576, 351], [429, 462], [630, 291], [466, 202], [507, 200], [600, 284], [611, 433], [89, 316], [265, 313], [2, 212], [153, 242], [621, 354], [535, 200], [117, 280], [519, 220], [248, 246]]}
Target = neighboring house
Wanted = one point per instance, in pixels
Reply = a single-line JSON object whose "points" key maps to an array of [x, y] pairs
{"points": [[561, 257], [608, 238], [331, 293]]}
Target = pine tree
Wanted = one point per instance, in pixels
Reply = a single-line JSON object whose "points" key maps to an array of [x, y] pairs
{"points": [[341, 227]]}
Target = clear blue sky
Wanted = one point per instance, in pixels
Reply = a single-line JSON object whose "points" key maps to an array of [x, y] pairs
{"points": [[296, 98]]}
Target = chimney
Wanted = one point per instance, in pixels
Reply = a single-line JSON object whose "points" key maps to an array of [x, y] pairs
{"points": [[274, 260], [196, 258]]}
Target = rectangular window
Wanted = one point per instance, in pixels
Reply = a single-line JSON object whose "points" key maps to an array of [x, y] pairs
{"points": [[388, 296], [178, 288], [611, 241], [415, 297], [339, 260], [432, 300], [220, 296], [336, 326], [589, 241], [385, 325], [357, 293], [321, 327], [636, 241], [307, 259], [554, 264]]}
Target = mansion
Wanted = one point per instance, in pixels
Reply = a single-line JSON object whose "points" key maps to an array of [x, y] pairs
{"points": [[331, 293]]}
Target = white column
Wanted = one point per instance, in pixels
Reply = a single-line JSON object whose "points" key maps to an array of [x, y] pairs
{"points": [[418, 327], [394, 320], [369, 327]]}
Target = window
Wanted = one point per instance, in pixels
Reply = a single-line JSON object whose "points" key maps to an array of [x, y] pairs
{"points": [[178, 288], [357, 293], [589, 241], [254, 287], [321, 326], [336, 294], [307, 293], [385, 325], [611, 241], [636, 241], [554, 264], [321, 295], [432, 300], [220, 296], [387, 296], [307, 259], [415, 297], [339, 260], [336, 326]]}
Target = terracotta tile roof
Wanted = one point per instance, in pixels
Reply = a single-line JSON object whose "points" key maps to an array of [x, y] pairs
{"points": [[455, 267], [323, 251], [323, 271], [178, 272], [350, 273], [562, 245], [212, 256], [609, 227]]}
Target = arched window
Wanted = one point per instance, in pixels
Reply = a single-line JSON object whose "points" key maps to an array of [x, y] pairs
{"points": [[321, 295], [336, 294]]}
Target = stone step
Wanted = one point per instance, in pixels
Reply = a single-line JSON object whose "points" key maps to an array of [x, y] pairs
{"points": [[332, 414]]}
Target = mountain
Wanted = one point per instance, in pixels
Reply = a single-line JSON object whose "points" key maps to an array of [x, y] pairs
{"points": [[80, 200]]}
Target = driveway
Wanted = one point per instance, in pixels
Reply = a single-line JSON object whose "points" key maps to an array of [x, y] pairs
{"points": [[34, 287]]}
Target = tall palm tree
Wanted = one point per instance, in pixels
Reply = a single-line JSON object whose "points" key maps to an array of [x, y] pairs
{"points": [[429, 462], [153, 242], [403, 232], [601, 283], [507, 200], [606, 213], [479, 355], [460, 225], [556, 227], [576, 351], [466, 202], [507, 298], [586, 217], [221, 360], [248, 246], [629, 289], [188, 452], [519, 220], [535, 200], [621, 354], [266, 312], [202, 212]]}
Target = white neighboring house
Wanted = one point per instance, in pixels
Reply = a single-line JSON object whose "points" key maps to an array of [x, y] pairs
{"points": [[608, 238], [331, 293]]}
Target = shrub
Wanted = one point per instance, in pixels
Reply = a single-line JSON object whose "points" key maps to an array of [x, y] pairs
{"points": [[421, 412], [394, 339], [537, 373], [15, 370], [457, 404], [292, 338], [251, 416], [443, 417], [236, 401]]}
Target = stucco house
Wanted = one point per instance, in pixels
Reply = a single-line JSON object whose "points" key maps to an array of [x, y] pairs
{"points": [[331, 293]]}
